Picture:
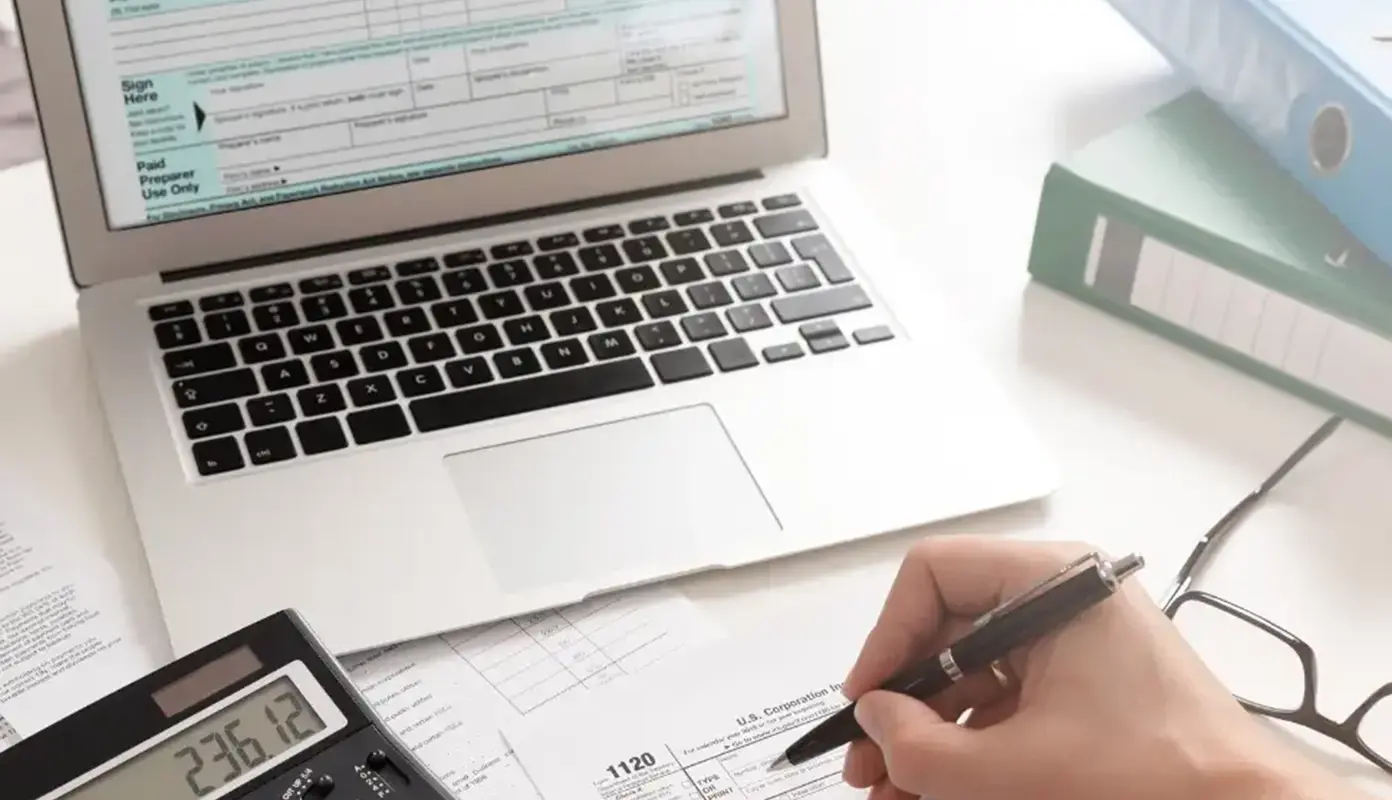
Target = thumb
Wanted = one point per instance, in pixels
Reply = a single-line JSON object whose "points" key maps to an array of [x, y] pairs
{"points": [[923, 754]]}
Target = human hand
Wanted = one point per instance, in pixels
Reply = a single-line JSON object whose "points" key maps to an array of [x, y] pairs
{"points": [[1114, 705]]}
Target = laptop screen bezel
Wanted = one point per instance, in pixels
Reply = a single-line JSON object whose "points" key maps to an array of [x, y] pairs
{"points": [[97, 253]]}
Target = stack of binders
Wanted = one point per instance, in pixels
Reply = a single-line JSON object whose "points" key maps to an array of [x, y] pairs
{"points": [[1246, 219]]}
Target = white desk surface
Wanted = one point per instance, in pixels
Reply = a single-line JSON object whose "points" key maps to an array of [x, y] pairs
{"points": [[947, 113]]}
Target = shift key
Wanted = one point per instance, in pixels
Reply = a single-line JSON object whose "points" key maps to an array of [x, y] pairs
{"points": [[219, 388], [826, 303]]}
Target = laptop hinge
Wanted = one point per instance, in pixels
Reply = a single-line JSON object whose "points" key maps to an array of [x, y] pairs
{"points": [[203, 271]]}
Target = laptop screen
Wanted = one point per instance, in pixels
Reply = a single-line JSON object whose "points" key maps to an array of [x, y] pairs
{"points": [[200, 107]]}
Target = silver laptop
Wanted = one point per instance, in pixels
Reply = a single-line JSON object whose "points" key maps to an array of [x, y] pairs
{"points": [[413, 315]]}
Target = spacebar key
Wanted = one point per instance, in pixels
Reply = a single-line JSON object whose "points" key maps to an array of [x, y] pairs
{"points": [[533, 394], [813, 305]]}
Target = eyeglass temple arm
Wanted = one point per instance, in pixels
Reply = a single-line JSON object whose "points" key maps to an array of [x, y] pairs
{"points": [[1215, 535]]}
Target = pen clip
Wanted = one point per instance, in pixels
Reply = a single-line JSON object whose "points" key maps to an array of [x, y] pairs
{"points": [[1091, 559]]}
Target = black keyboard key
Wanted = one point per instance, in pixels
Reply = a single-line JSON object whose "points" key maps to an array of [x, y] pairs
{"points": [[378, 425], [323, 307], [420, 381], [417, 266], [501, 304], [770, 254], [198, 360], [604, 233], [823, 336], [526, 330], [465, 282], [786, 223], [783, 352], [570, 321], [638, 227], [218, 456], [371, 391], [681, 270], [657, 335], [406, 322], [637, 279], [731, 234], [547, 296], [511, 250], [703, 327], [274, 316], [611, 345], [733, 355], [647, 248], [798, 279], [749, 318], [753, 287], [362, 277], [177, 333], [617, 313], [737, 210], [781, 202], [465, 258], [217, 388], [321, 436], [260, 349], [516, 363], [367, 299], [600, 258], [453, 313], [201, 423], [709, 295], [271, 409], [564, 354], [322, 283], [333, 366], [266, 294], [534, 394], [506, 274], [285, 375], [551, 266], [558, 241], [681, 365], [317, 401], [664, 304], [221, 302], [479, 339], [874, 335], [382, 357], [432, 348], [726, 262], [227, 324], [699, 216], [174, 310], [817, 248], [687, 241], [423, 289], [270, 446], [468, 372], [589, 288], [825, 303], [359, 330]]}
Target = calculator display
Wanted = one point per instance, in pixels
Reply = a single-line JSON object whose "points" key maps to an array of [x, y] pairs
{"points": [[217, 752]]}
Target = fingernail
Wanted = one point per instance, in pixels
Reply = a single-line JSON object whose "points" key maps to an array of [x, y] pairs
{"points": [[868, 719]]}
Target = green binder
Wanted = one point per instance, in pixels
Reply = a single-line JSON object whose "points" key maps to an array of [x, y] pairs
{"points": [[1179, 224]]}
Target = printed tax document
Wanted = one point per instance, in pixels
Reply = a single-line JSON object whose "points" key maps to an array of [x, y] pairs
{"points": [[707, 725], [448, 696]]}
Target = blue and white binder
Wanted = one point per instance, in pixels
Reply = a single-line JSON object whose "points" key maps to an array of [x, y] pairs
{"points": [[1309, 80]]}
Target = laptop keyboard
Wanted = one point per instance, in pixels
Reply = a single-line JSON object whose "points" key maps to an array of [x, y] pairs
{"points": [[336, 360]]}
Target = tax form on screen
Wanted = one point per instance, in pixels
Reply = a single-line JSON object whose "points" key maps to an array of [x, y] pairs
{"points": [[705, 726], [203, 106]]}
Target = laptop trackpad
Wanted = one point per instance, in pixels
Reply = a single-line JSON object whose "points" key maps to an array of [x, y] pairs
{"points": [[633, 500]]}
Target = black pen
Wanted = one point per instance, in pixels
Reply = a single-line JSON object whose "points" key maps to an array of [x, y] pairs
{"points": [[1021, 620]]}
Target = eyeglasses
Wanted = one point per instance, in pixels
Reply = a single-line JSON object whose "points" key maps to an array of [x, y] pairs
{"points": [[1368, 730]]}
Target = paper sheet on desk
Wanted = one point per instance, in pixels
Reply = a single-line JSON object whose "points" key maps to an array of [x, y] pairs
{"points": [[448, 696], [707, 725]]}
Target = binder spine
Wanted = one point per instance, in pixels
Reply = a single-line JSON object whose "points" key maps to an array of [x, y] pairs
{"points": [[1319, 121]]}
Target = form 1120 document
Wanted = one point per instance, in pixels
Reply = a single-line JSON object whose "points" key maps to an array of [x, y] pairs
{"points": [[705, 726]]}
